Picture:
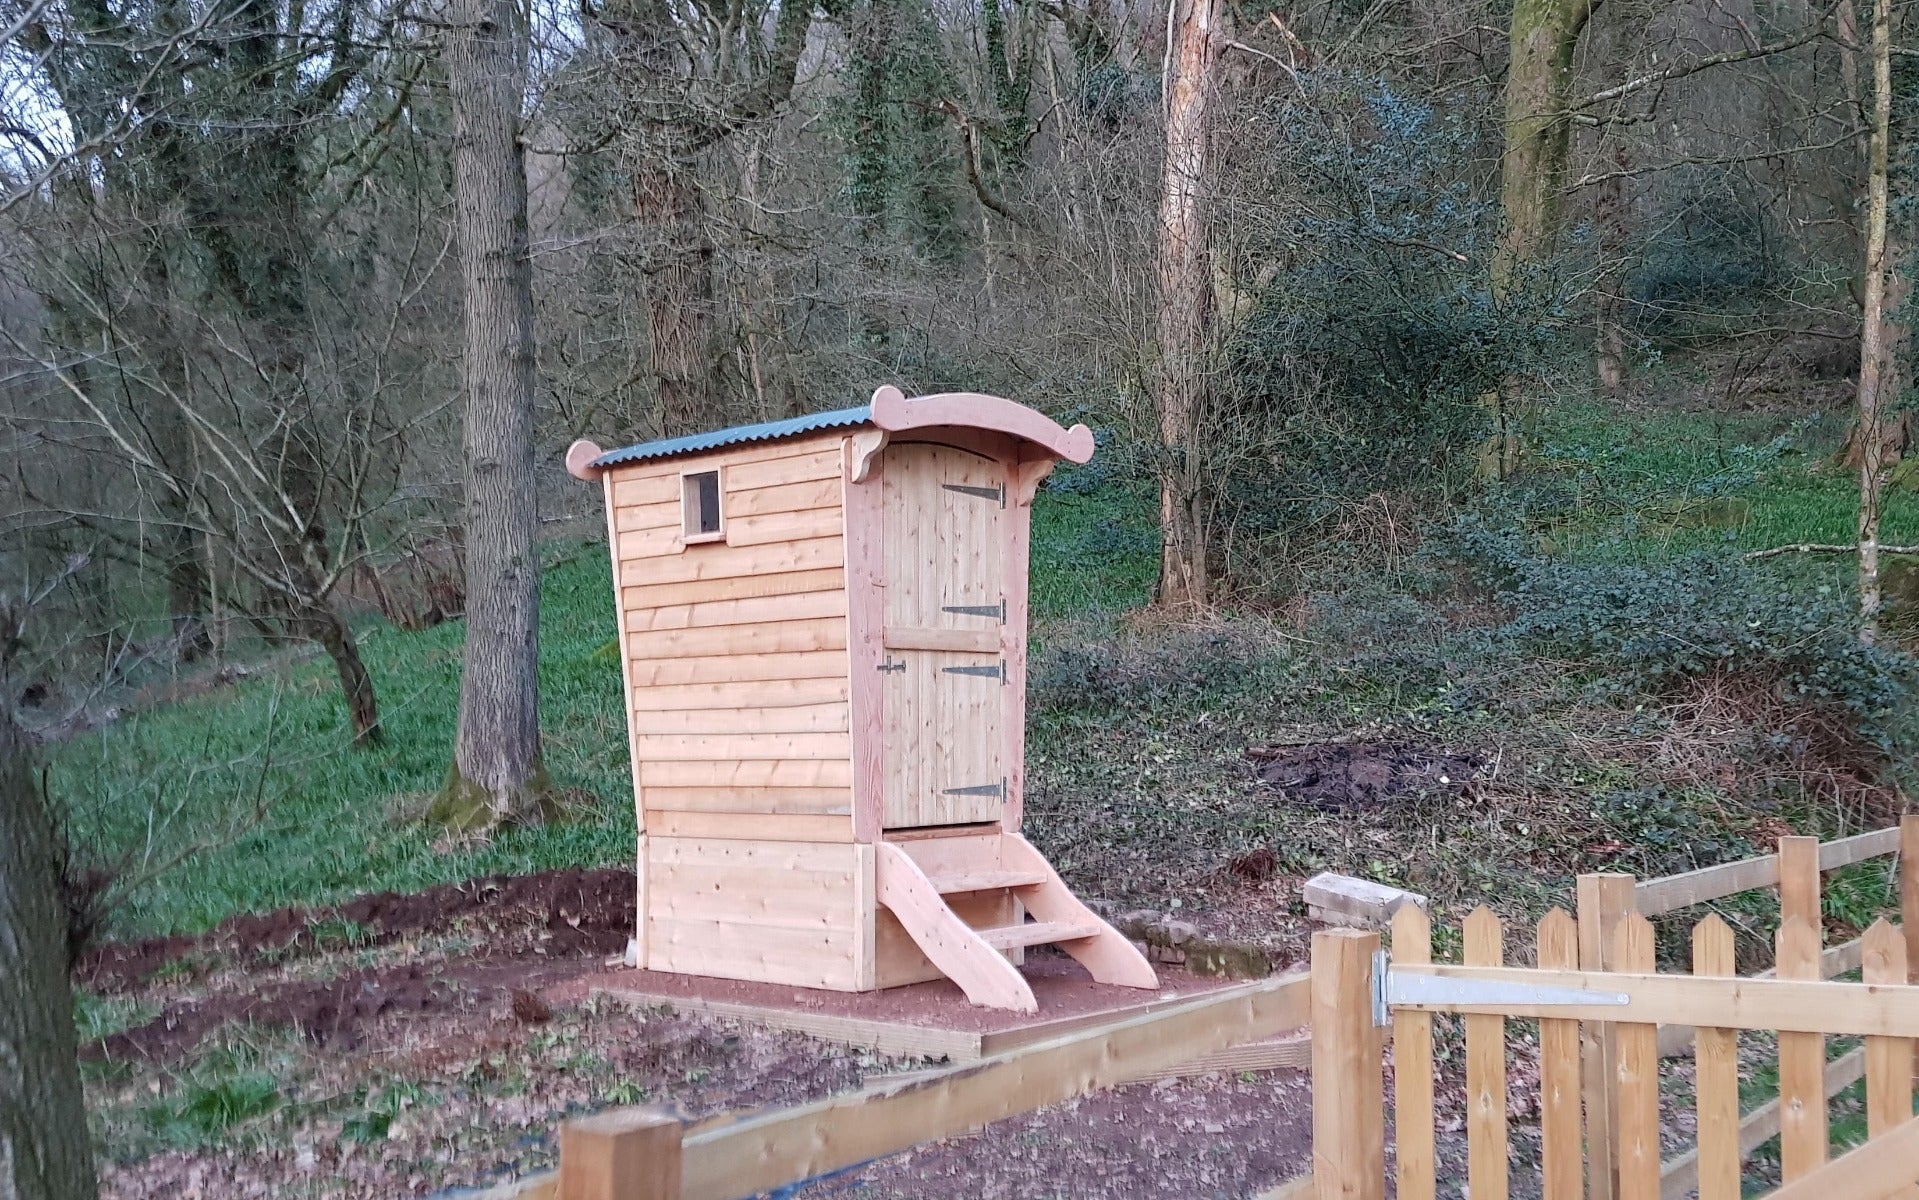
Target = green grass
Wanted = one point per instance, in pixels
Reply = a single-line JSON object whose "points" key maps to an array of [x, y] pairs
{"points": [[259, 782], [1652, 488]]}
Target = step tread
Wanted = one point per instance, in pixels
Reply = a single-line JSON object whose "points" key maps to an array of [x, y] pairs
{"points": [[985, 881], [1036, 933]]}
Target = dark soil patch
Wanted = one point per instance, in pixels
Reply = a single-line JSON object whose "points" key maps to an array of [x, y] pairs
{"points": [[1341, 776], [332, 1014], [1213, 1138], [565, 912]]}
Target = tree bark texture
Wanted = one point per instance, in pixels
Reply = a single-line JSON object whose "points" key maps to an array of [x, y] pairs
{"points": [[1533, 166], [497, 774], [323, 623], [1610, 49], [1185, 304], [679, 302], [44, 1151], [1875, 369]]}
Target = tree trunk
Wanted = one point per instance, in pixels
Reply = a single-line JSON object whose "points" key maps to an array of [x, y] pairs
{"points": [[324, 624], [1185, 305], [679, 303], [44, 1151], [1875, 367], [1609, 45], [1611, 362], [496, 774], [1533, 166]]}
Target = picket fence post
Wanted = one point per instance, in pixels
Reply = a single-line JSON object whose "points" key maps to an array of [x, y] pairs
{"points": [[1349, 1078]]}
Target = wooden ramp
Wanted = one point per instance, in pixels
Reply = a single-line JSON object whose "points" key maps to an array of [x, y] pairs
{"points": [[914, 879]]}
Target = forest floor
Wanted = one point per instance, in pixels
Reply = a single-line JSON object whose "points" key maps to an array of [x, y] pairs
{"points": [[427, 1044], [1357, 709]]}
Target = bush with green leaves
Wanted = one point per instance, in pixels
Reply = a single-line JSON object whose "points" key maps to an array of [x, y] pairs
{"points": [[1653, 627], [1375, 333]]}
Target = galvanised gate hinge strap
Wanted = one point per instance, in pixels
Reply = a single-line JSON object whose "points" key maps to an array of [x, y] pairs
{"points": [[1393, 989], [996, 611], [984, 493], [985, 789]]}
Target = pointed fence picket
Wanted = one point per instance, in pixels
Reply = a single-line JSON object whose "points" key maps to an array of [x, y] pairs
{"points": [[1600, 1035]]}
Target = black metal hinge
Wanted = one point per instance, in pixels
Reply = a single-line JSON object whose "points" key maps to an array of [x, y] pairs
{"points": [[994, 672], [984, 493], [996, 611], [985, 789]]}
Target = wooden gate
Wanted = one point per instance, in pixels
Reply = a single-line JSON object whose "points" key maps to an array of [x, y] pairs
{"points": [[945, 548], [1605, 1114]]}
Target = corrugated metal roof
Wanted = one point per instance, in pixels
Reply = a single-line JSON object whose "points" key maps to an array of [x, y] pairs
{"points": [[769, 431]]}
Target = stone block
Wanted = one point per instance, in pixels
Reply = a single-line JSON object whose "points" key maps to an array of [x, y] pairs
{"points": [[1360, 903]]}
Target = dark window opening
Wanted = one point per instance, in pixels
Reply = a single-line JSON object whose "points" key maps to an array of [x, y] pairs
{"points": [[701, 505]]}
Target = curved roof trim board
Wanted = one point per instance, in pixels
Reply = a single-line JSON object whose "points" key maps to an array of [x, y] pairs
{"points": [[890, 411]]}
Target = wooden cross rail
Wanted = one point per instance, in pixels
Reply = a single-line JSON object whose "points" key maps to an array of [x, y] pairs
{"points": [[1789, 1005], [1656, 897], [646, 1154]]}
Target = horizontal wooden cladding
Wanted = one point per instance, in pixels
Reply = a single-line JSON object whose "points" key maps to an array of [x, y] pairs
{"points": [[741, 747], [741, 532], [752, 773], [753, 694], [771, 672], [789, 827], [746, 467], [832, 858], [754, 610], [782, 637], [821, 958], [736, 502], [967, 641], [791, 718], [705, 591], [819, 801], [724, 561]]}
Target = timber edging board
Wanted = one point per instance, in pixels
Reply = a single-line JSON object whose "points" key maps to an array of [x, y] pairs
{"points": [[745, 1154], [900, 1039]]}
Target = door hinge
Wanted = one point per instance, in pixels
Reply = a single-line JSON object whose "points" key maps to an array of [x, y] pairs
{"points": [[1393, 989], [996, 611], [985, 789], [889, 665], [997, 671], [984, 493]]}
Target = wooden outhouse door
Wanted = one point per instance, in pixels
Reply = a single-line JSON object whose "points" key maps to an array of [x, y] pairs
{"points": [[944, 551]]}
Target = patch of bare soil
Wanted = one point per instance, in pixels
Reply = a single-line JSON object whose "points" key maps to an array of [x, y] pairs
{"points": [[564, 912], [1208, 1137], [431, 1060], [332, 1014], [1343, 776]]}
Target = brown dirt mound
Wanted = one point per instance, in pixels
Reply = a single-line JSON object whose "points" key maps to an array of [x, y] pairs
{"points": [[335, 1013], [1335, 776], [570, 912]]}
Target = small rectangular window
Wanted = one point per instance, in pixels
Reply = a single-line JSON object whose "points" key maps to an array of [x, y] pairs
{"points": [[701, 518]]}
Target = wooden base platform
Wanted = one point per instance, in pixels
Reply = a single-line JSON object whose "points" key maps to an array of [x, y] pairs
{"points": [[933, 1019]]}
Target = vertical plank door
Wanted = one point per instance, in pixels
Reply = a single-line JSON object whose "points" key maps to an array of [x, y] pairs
{"points": [[944, 675]]}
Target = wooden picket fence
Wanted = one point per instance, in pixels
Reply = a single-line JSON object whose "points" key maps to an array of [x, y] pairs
{"points": [[1605, 1018], [1600, 1003]]}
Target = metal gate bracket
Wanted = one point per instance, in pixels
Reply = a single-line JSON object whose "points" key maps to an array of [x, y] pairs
{"points": [[1393, 989]]}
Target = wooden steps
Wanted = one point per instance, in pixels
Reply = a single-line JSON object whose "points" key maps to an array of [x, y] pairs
{"points": [[913, 878], [986, 881], [1036, 933]]}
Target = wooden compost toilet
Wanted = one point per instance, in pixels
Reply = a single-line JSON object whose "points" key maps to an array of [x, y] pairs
{"points": [[823, 640]]}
